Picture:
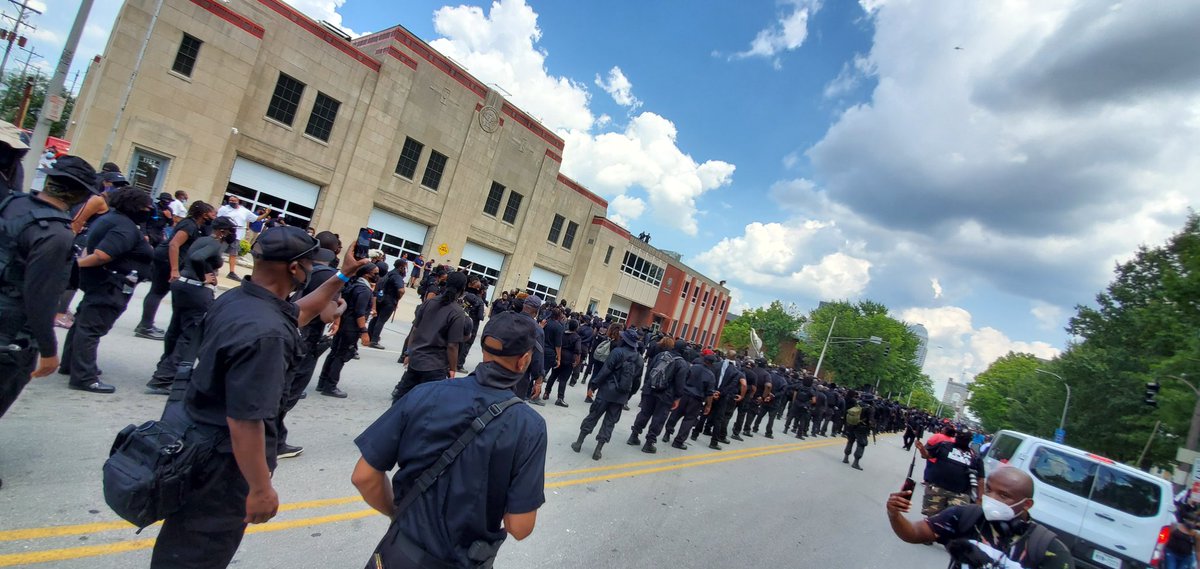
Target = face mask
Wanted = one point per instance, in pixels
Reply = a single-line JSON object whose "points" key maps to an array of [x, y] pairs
{"points": [[996, 511], [140, 217], [298, 286]]}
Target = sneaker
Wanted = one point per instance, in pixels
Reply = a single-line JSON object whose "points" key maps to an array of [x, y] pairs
{"points": [[376, 345], [150, 333], [561, 403], [536, 401], [233, 275], [288, 451], [157, 387], [333, 392]]}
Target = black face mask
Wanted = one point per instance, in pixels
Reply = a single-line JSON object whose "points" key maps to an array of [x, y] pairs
{"points": [[139, 217], [298, 286]]}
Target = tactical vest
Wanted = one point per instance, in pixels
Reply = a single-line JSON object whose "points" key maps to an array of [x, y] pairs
{"points": [[12, 262]]}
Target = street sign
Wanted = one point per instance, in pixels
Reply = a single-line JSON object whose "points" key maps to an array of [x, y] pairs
{"points": [[1060, 436], [55, 107]]}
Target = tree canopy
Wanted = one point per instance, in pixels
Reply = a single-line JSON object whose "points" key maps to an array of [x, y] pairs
{"points": [[776, 324], [14, 91]]}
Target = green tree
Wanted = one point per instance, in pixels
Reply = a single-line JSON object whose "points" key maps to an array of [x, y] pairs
{"points": [[776, 324], [736, 334], [14, 91], [892, 363]]}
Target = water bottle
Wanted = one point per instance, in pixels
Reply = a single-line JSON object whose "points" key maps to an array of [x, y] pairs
{"points": [[131, 281]]}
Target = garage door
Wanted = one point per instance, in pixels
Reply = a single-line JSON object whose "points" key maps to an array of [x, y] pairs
{"points": [[260, 186], [618, 309], [395, 234], [544, 284], [483, 262]]}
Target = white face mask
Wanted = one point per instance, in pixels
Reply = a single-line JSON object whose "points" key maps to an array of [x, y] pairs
{"points": [[996, 511]]}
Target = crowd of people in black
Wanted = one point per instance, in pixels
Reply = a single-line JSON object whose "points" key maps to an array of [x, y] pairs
{"points": [[234, 365]]}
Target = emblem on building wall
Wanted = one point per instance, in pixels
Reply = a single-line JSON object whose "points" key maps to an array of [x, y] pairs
{"points": [[489, 119]]}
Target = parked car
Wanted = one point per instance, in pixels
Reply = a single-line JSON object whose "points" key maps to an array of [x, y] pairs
{"points": [[1110, 515]]}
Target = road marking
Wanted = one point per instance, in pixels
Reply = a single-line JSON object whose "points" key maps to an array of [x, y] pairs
{"points": [[667, 460], [79, 552]]}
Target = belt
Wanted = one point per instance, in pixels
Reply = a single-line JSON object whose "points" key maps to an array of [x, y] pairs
{"points": [[195, 282]]}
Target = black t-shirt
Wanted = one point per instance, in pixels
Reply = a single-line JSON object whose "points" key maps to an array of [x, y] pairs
{"points": [[186, 226], [946, 526], [250, 344], [206, 255], [435, 326], [121, 239], [357, 295], [953, 468], [700, 381], [554, 339], [320, 274], [820, 398], [501, 471]]}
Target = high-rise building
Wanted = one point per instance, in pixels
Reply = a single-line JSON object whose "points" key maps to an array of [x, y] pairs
{"points": [[922, 343]]}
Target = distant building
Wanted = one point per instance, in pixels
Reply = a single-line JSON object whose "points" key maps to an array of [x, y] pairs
{"points": [[955, 395], [922, 343]]}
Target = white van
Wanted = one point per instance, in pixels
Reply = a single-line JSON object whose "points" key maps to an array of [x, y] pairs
{"points": [[1110, 515]]}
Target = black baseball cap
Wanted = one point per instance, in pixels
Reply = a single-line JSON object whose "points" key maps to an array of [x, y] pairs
{"points": [[75, 171], [516, 333], [223, 222], [285, 243]]}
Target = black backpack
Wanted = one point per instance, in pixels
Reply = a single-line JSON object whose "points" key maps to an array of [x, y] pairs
{"points": [[659, 377], [1037, 539], [627, 374], [12, 269]]}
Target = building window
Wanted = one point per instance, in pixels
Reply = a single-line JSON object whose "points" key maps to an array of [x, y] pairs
{"points": [[695, 294], [297, 214], [686, 286], [608, 255], [512, 207], [617, 316], [149, 171], [555, 228], [409, 156], [394, 246], [548, 294], [704, 303], [185, 58], [569, 238], [492, 205], [490, 275], [642, 269], [674, 327], [434, 170], [694, 332], [324, 112], [685, 330], [285, 100], [723, 302]]}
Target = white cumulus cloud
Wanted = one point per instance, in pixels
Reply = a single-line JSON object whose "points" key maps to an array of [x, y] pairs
{"points": [[787, 33], [937, 287], [618, 86]]}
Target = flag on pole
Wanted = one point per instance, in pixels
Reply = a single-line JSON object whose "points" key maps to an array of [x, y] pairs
{"points": [[755, 344]]}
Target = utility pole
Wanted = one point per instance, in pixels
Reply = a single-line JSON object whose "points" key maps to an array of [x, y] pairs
{"points": [[16, 30], [1194, 430], [29, 55], [54, 103], [821, 359]]}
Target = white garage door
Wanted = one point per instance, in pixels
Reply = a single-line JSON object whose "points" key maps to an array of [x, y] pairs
{"points": [[260, 186], [395, 235], [544, 284], [618, 309], [481, 261]]}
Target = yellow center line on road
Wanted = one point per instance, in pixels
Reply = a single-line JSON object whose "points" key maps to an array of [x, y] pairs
{"points": [[669, 460], [79, 552]]}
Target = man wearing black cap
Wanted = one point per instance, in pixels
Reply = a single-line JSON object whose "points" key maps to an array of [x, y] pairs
{"points": [[439, 326], [747, 406], [610, 389], [530, 386], [458, 517], [352, 330], [251, 341], [191, 295], [35, 257], [698, 393]]}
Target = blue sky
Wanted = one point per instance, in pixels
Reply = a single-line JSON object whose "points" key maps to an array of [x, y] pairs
{"points": [[976, 166]]}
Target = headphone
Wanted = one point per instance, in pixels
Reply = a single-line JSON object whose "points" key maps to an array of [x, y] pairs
{"points": [[1012, 527]]}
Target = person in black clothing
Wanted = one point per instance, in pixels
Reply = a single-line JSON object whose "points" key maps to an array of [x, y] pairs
{"points": [[609, 390], [192, 292], [475, 308], [352, 330], [35, 258], [168, 261], [439, 327], [586, 334], [731, 384], [698, 393], [530, 386], [820, 402], [997, 533], [570, 346], [251, 342], [388, 292], [954, 476], [118, 257], [554, 329], [657, 404], [313, 340], [800, 412], [771, 402], [856, 434], [746, 406]]}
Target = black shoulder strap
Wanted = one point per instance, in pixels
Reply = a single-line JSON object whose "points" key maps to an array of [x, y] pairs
{"points": [[427, 478], [968, 518], [1037, 544]]}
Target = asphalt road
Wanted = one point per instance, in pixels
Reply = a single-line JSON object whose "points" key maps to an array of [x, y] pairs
{"points": [[761, 503]]}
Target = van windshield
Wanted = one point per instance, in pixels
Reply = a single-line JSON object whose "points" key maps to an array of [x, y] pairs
{"points": [[1127, 493], [1004, 448]]}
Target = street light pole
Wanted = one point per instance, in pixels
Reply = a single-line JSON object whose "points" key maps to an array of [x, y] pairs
{"points": [[1194, 429], [828, 337], [1062, 424]]}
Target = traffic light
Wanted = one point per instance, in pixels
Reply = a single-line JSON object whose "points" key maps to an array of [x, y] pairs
{"points": [[1151, 394], [887, 350]]}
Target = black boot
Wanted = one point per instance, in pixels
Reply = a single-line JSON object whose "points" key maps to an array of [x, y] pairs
{"points": [[713, 445], [846, 459], [648, 448], [633, 440], [736, 436], [666, 437], [578, 444], [855, 465], [679, 445], [596, 453]]}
